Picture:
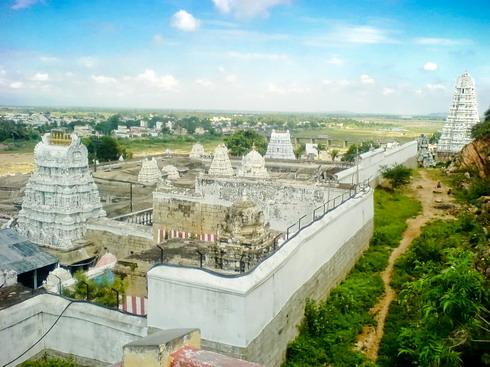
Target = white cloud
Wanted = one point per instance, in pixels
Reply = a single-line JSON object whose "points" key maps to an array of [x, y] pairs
{"points": [[257, 56], [164, 82], [204, 83], [184, 21], [16, 85], [247, 8], [289, 89], [335, 60], [434, 41], [49, 59], [87, 61], [388, 91], [366, 79], [360, 34], [40, 77], [430, 66], [435, 87], [158, 39], [231, 78], [23, 4], [102, 79]]}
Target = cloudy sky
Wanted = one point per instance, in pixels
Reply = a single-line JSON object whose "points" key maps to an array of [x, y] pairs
{"points": [[372, 56]]}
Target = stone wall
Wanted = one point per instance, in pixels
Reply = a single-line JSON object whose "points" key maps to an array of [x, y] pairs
{"points": [[372, 162], [193, 215], [83, 330], [119, 238], [283, 202], [255, 315]]}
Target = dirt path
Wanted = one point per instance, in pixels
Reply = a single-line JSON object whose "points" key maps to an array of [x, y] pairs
{"points": [[423, 188]]}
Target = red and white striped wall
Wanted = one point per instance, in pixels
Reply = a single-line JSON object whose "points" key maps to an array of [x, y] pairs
{"points": [[172, 233], [135, 305]]}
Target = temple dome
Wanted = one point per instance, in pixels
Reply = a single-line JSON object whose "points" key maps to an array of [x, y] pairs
{"points": [[253, 165], [221, 165], [171, 172]]}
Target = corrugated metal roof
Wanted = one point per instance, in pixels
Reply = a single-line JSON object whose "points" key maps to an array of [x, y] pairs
{"points": [[20, 254]]}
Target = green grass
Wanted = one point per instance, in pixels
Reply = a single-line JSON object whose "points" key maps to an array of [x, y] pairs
{"points": [[23, 146], [329, 329], [176, 143]]}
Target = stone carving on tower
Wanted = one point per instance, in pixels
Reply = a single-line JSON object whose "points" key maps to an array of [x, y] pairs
{"points": [[425, 157], [170, 172], [221, 165], [149, 173], [197, 151], [253, 165], [60, 195], [463, 115], [280, 146]]}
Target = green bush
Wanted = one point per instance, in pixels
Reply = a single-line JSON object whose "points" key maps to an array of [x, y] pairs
{"points": [[46, 361]]}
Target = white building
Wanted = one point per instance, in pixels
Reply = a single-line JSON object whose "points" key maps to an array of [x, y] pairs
{"points": [[463, 115], [280, 146]]}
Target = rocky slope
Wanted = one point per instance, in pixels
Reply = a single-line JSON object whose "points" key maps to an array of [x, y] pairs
{"points": [[476, 157]]}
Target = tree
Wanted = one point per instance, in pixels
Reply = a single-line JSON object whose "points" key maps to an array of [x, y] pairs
{"points": [[299, 150], [356, 149], [109, 125], [398, 175], [334, 154], [482, 129], [101, 291], [435, 137], [104, 149], [242, 141]]}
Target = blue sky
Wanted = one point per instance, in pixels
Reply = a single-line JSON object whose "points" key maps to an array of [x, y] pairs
{"points": [[372, 56]]}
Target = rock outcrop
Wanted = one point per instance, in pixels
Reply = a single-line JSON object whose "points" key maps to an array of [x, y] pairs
{"points": [[475, 156]]}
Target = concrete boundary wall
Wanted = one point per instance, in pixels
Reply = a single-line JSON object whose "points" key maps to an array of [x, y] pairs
{"points": [[371, 163], [84, 330], [236, 315]]}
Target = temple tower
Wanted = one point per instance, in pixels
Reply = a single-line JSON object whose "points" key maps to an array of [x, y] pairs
{"points": [[280, 146], [60, 195], [253, 165], [463, 115], [149, 173], [221, 165]]}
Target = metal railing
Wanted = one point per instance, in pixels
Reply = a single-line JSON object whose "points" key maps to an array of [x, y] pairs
{"points": [[144, 217]]}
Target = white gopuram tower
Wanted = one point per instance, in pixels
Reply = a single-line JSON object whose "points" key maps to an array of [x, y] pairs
{"points": [[280, 146], [253, 165], [221, 165], [61, 194], [463, 115]]}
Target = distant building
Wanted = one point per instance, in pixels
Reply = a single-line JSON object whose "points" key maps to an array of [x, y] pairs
{"points": [[122, 131], [463, 115], [83, 130], [22, 256]]}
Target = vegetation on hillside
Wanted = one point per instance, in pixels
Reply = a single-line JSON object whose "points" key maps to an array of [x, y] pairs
{"points": [[398, 175], [482, 129], [47, 361], [329, 329], [441, 317]]}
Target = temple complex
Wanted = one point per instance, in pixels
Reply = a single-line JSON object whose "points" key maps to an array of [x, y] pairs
{"points": [[280, 146], [170, 172], [253, 165], [150, 173], [61, 195], [197, 151], [463, 115], [221, 165]]}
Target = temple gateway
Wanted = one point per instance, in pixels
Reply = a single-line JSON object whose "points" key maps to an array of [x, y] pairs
{"points": [[61, 195]]}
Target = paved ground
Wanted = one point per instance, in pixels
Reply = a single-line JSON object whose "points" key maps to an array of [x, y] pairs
{"points": [[424, 189]]}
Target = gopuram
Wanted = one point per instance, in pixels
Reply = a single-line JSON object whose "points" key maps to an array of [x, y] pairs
{"points": [[221, 165], [150, 173], [280, 146], [463, 115], [170, 172], [61, 195]]}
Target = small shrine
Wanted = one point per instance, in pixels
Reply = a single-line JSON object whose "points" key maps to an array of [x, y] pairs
{"points": [[170, 172], [197, 151], [425, 157], [253, 165]]}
